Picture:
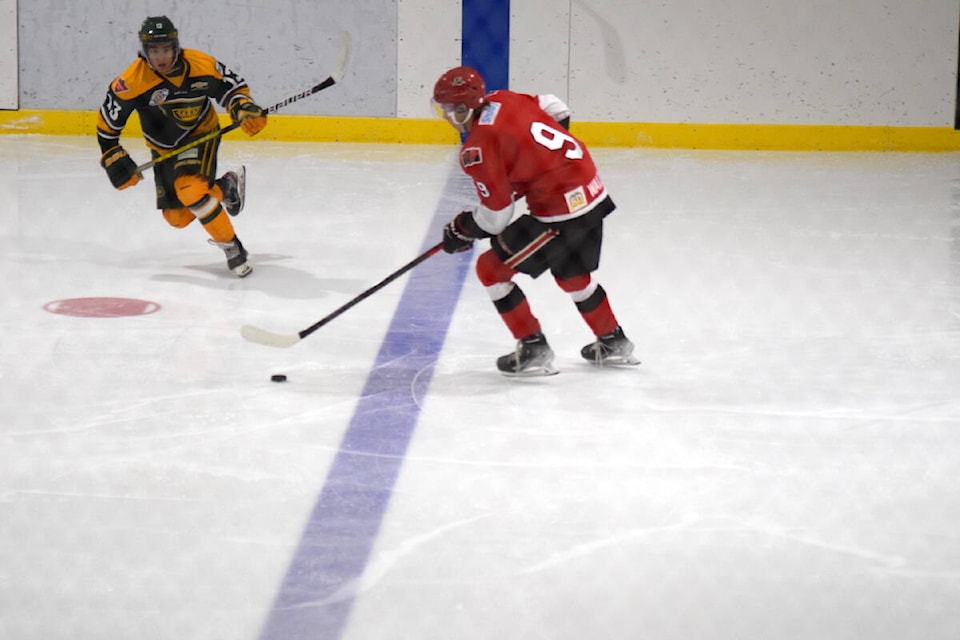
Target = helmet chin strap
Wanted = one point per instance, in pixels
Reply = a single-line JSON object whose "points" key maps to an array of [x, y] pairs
{"points": [[462, 125]]}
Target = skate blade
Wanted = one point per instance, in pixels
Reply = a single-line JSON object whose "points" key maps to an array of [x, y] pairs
{"points": [[242, 188], [616, 361], [532, 372], [241, 192], [243, 270]]}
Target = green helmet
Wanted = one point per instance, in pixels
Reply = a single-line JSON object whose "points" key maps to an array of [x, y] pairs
{"points": [[156, 30]]}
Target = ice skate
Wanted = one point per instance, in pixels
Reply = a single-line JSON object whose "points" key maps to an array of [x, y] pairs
{"points": [[532, 357], [234, 187], [611, 349], [236, 257]]}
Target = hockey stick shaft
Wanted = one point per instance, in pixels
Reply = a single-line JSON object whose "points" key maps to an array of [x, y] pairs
{"points": [[329, 82], [346, 45], [372, 290], [268, 338]]}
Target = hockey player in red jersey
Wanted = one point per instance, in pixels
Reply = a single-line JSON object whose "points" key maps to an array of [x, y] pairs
{"points": [[172, 91], [518, 146]]}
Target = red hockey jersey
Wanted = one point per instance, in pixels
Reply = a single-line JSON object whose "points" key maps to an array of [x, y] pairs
{"points": [[515, 149]]}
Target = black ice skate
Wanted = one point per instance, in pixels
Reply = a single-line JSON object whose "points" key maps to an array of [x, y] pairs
{"points": [[613, 348], [234, 187], [532, 357], [236, 257]]}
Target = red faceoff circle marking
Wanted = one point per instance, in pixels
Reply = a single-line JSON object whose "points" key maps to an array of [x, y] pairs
{"points": [[102, 307]]}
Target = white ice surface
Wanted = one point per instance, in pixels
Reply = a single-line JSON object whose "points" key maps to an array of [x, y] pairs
{"points": [[784, 464]]}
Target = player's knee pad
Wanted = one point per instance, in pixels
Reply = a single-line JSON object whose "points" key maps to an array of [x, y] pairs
{"points": [[178, 218], [576, 283], [491, 270], [191, 188], [580, 288], [207, 209]]}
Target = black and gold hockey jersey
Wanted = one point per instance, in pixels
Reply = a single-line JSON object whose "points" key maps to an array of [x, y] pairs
{"points": [[172, 108]]}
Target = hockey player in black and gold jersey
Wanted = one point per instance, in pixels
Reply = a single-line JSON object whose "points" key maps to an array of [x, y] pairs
{"points": [[173, 91]]}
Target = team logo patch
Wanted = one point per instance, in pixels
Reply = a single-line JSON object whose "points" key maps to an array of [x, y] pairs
{"points": [[187, 114], [471, 156], [159, 97], [120, 85], [489, 114]]}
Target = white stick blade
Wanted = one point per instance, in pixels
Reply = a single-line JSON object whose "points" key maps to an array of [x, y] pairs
{"points": [[346, 46], [268, 338]]}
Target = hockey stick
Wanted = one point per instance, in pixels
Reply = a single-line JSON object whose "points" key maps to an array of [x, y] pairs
{"points": [[345, 46], [283, 340]]}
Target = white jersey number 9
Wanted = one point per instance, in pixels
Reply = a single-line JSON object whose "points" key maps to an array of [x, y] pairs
{"points": [[555, 140]]}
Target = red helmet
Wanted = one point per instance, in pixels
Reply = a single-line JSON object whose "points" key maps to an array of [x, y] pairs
{"points": [[458, 94], [460, 85]]}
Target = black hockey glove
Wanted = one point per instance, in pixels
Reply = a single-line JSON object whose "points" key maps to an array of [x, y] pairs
{"points": [[455, 236], [121, 169]]}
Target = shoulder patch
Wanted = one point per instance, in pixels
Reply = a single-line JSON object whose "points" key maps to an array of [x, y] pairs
{"points": [[489, 114], [120, 85], [470, 156], [159, 97]]}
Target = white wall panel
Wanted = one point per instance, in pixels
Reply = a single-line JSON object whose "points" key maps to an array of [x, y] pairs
{"points": [[856, 62], [71, 51], [9, 85], [540, 48], [428, 43]]}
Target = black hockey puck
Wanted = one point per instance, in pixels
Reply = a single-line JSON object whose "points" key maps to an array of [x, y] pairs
{"points": [[278, 377]]}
